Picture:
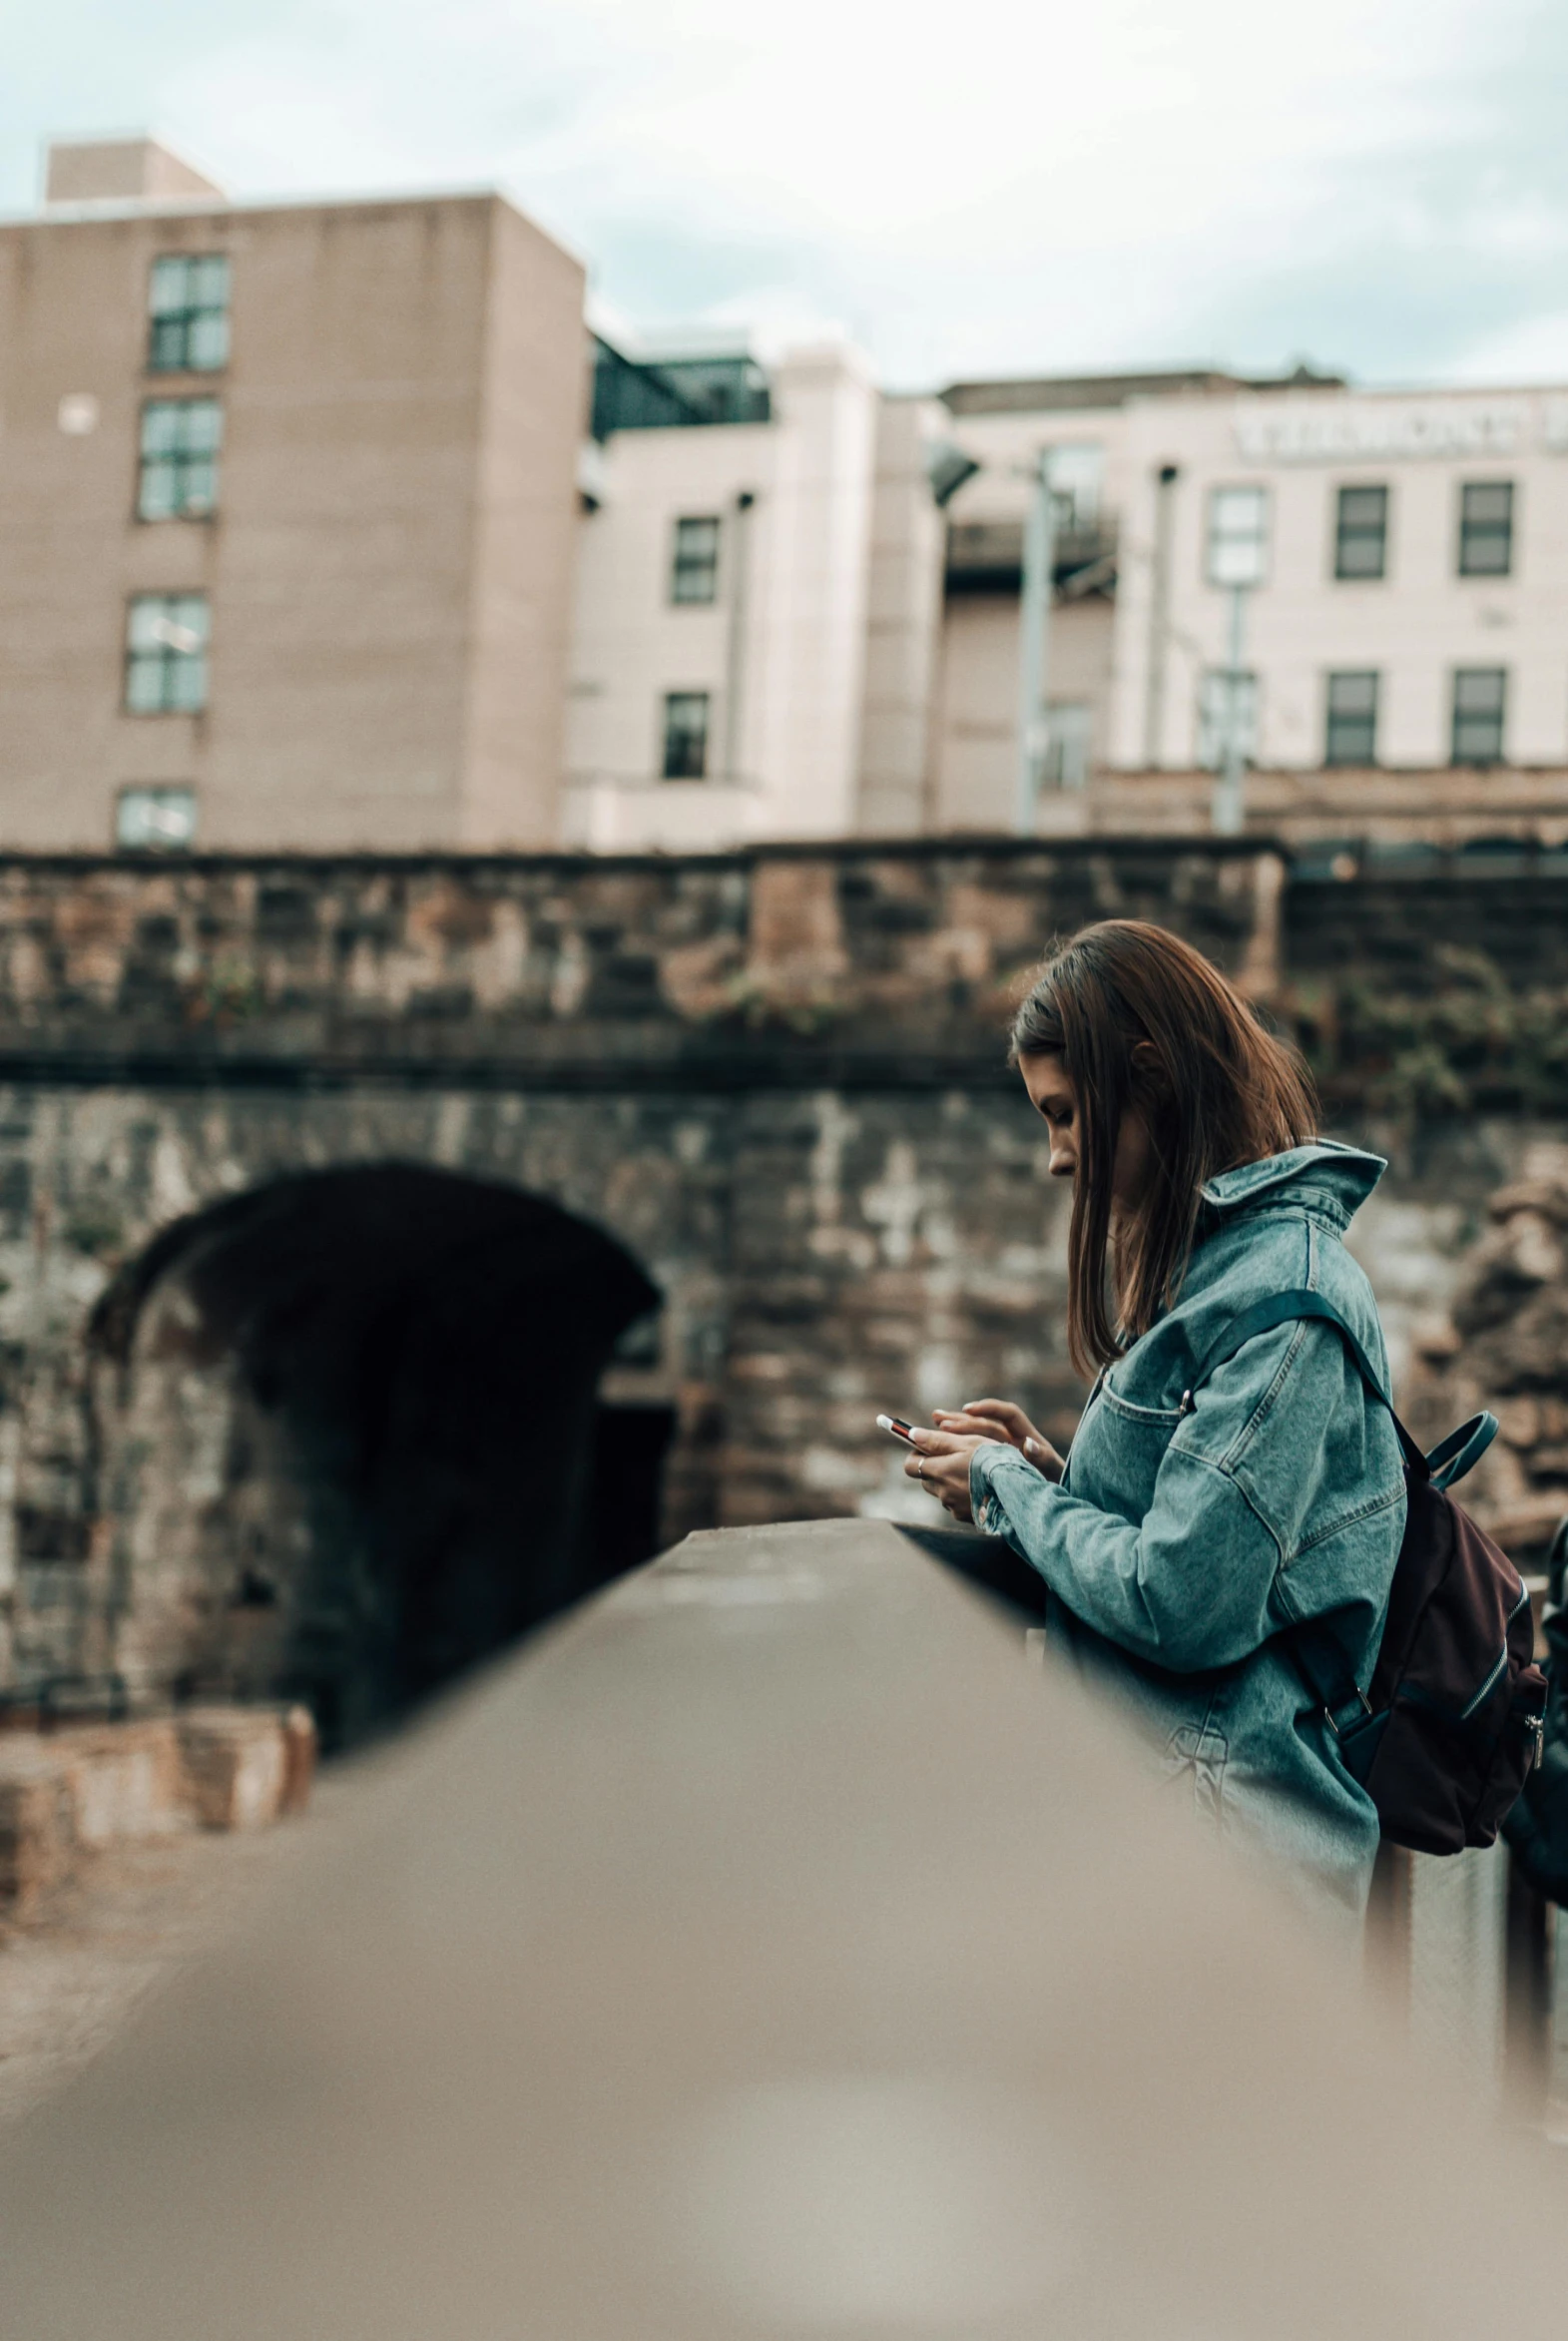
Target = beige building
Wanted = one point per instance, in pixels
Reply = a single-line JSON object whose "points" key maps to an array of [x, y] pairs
{"points": [[316, 530], [1403, 672], [287, 516]]}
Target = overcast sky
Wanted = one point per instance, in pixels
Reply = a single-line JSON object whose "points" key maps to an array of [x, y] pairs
{"points": [[975, 187]]}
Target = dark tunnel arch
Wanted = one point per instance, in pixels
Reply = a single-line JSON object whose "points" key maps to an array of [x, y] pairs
{"points": [[421, 1352]]}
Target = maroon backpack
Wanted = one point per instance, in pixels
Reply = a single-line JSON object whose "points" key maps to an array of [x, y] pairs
{"points": [[1447, 1732]]}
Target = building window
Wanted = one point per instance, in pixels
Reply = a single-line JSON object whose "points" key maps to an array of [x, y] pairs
{"points": [[1351, 733], [1360, 537], [694, 573], [1077, 487], [1487, 528], [1237, 536], [189, 305], [1220, 691], [1067, 744], [166, 654], [686, 735], [1480, 697], [180, 442], [149, 818]]}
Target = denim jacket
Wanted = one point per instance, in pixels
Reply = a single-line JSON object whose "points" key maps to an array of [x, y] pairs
{"points": [[1200, 1518]]}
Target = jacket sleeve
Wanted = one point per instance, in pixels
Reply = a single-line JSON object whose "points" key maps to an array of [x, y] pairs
{"points": [[1201, 1581]]}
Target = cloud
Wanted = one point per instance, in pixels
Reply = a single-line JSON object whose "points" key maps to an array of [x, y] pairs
{"points": [[971, 190]]}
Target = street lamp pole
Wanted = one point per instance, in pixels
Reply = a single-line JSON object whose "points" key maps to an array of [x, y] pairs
{"points": [[1238, 561], [1230, 809], [949, 468], [1034, 619]]}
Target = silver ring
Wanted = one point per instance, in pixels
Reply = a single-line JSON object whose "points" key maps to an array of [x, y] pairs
{"points": [[920, 1468]]}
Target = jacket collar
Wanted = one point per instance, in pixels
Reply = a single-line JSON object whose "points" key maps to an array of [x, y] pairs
{"points": [[1329, 1179]]}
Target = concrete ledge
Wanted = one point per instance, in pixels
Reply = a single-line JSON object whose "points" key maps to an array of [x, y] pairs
{"points": [[769, 1951]]}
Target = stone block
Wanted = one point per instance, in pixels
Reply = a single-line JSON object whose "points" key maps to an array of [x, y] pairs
{"points": [[126, 1780], [36, 1823], [300, 1753], [235, 1765]]}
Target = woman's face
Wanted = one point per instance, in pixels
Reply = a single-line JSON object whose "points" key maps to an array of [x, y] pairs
{"points": [[1053, 1097]]}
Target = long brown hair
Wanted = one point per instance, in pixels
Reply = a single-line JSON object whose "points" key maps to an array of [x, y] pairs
{"points": [[1213, 1087]]}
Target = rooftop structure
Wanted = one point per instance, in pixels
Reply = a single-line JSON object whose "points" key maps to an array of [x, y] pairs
{"points": [[1060, 394], [122, 170]]}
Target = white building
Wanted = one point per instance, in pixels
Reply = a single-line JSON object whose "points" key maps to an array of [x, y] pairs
{"points": [[779, 633], [1413, 607], [723, 602]]}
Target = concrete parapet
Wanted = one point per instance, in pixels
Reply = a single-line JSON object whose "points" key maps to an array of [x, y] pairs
{"points": [[770, 1949]]}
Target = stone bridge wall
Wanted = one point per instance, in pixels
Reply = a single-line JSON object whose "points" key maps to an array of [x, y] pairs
{"points": [[766, 970], [777, 1076]]}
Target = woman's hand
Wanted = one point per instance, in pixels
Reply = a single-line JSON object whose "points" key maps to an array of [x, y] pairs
{"points": [[998, 1417], [941, 1464]]}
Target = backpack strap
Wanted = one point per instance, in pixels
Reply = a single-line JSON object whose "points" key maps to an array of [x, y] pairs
{"points": [[1287, 1308], [1448, 1461], [1316, 1648], [1462, 1450]]}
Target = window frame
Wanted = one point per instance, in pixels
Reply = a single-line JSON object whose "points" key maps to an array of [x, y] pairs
{"points": [[1214, 538], [182, 461], [1470, 530], [180, 323], [1458, 716], [151, 792], [684, 567], [670, 734], [1344, 536], [173, 664], [1348, 718]]}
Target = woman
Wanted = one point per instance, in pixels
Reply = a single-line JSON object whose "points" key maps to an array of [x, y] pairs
{"points": [[1216, 1498]]}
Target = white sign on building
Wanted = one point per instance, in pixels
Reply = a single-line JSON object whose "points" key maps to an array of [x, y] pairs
{"points": [[1387, 432]]}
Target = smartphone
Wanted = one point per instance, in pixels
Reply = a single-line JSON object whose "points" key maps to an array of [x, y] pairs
{"points": [[896, 1429]]}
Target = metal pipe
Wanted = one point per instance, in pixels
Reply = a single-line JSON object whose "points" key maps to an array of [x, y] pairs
{"points": [[734, 647], [1159, 614], [1033, 627], [1230, 811]]}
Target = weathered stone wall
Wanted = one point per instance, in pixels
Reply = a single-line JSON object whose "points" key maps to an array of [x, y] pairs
{"points": [[1501, 1341], [821, 1259], [1464, 1243], [777, 1077], [1437, 993], [752, 970]]}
